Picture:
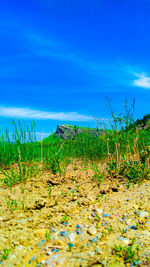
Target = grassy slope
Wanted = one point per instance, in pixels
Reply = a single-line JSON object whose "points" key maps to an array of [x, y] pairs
{"points": [[117, 148]]}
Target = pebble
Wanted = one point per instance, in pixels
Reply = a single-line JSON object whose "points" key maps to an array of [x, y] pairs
{"points": [[71, 237], [99, 211], [19, 247], [41, 243], [54, 257], [33, 258], [66, 223], [92, 230], [12, 256], [99, 235], [125, 240], [106, 215], [64, 233], [53, 229], [143, 214], [99, 250], [91, 254], [49, 253], [77, 231], [22, 221], [94, 239]]}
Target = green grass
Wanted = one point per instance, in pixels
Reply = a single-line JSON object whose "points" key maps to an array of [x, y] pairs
{"points": [[124, 148]]}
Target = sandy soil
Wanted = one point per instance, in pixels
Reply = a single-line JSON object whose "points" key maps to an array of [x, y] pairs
{"points": [[70, 220]]}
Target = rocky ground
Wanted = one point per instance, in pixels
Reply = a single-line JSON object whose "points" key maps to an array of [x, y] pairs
{"points": [[69, 221]]}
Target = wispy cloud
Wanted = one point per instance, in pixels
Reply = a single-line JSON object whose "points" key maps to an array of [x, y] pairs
{"points": [[142, 81], [47, 47], [27, 113]]}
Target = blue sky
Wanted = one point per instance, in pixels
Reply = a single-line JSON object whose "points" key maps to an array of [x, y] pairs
{"points": [[59, 59]]}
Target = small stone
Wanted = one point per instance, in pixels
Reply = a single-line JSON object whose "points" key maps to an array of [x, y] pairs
{"points": [[54, 257], [53, 229], [66, 223], [146, 233], [49, 253], [19, 247], [41, 243], [43, 262], [64, 233], [92, 230], [133, 227], [99, 211], [147, 225], [12, 256], [71, 237], [77, 231], [99, 250], [94, 239], [91, 254], [125, 240], [143, 214], [33, 258], [22, 221], [99, 235], [106, 215]]}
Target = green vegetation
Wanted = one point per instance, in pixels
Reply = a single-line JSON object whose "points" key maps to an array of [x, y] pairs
{"points": [[125, 150], [128, 253], [5, 253]]}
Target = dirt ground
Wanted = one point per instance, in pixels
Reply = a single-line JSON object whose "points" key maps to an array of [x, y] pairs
{"points": [[70, 220]]}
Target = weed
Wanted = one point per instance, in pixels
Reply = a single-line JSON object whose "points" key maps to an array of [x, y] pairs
{"points": [[50, 190], [11, 204], [98, 174], [127, 252], [22, 204], [5, 253], [22, 189], [110, 229], [97, 217], [47, 235], [128, 184], [65, 219]]}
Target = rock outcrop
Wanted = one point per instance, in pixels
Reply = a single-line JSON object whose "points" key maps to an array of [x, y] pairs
{"points": [[65, 131]]}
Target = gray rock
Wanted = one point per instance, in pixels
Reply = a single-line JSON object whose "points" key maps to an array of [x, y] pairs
{"points": [[69, 131], [92, 230]]}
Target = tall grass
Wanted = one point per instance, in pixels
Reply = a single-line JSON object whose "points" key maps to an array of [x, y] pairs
{"points": [[125, 149]]}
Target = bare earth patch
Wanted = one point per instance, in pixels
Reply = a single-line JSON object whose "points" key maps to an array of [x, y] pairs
{"points": [[71, 220]]}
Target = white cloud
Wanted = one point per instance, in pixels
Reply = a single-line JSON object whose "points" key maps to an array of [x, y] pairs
{"points": [[28, 113], [142, 81]]}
